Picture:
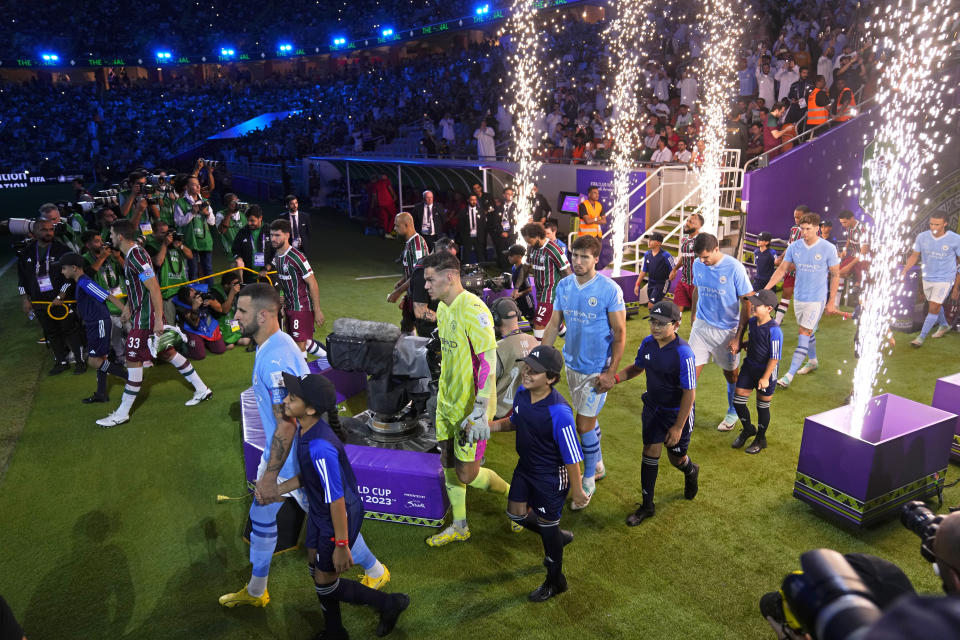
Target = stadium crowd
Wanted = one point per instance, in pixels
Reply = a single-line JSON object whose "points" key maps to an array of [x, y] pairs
{"points": [[206, 27], [455, 98]]}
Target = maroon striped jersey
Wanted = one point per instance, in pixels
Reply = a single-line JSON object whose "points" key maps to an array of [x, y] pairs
{"points": [[292, 270], [137, 269], [686, 258], [413, 253], [548, 264]]}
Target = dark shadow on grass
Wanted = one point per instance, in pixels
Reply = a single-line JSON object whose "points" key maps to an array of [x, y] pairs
{"points": [[90, 593], [188, 606]]}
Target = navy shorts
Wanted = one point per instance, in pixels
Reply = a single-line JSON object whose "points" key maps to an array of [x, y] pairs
{"points": [[656, 290], [749, 377], [98, 338], [321, 539], [657, 422], [545, 493]]}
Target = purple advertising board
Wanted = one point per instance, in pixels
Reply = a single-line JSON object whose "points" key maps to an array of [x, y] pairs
{"points": [[603, 180], [827, 174]]}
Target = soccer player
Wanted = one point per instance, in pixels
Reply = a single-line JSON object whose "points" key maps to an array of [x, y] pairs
{"points": [[92, 305], [551, 226], [258, 306], [520, 277], [939, 250], [759, 371], [414, 250], [722, 287], [548, 462], [549, 267], [789, 279], [657, 265], [301, 297], [513, 346], [667, 416], [592, 307], [145, 312], [466, 393], [683, 294], [336, 508], [817, 279]]}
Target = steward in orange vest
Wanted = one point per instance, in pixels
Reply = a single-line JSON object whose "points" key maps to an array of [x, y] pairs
{"points": [[591, 214], [817, 102]]}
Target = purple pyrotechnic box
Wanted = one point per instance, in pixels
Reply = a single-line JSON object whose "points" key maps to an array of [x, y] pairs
{"points": [[946, 396], [400, 486], [901, 455]]}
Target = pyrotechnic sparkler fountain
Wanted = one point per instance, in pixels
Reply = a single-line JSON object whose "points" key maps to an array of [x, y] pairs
{"points": [[626, 35], [916, 41], [720, 21], [861, 462], [525, 61]]}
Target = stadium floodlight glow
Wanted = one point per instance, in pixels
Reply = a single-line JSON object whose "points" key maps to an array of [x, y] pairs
{"points": [[387, 33], [483, 10], [285, 48], [227, 53], [164, 56], [339, 42], [50, 57]]}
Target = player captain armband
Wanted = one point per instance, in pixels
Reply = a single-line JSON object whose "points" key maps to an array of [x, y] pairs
{"points": [[146, 275]]}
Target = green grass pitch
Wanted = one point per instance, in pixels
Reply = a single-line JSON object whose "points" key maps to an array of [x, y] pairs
{"points": [[116, 533]]}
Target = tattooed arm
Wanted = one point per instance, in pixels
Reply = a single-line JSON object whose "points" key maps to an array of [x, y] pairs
{"points": [[279, 450]]}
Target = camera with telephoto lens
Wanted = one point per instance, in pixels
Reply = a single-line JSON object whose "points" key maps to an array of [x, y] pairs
{"points": [[108, 193], [84, 206], [827, 599], [211, 163], [918, 518], [176, 236], [105, 201], [22, 226], [242, 207], [474, 280], [156, 179]]}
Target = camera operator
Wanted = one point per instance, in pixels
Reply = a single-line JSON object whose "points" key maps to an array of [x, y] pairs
{"points": [[229, 221], [203, 172], [170, 256], [39, 280], [106, 264], [228, 291], [196, 307], [103, 219], [134, 202], [64, 231], [512, 347], [194, 219], [251, 248], [946, 549]]}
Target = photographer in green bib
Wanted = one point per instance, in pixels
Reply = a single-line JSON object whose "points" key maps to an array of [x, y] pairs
{"points": [[230, 220], [136, 204], [171, 257], [227, 293], [195, 221], [105, 266]]}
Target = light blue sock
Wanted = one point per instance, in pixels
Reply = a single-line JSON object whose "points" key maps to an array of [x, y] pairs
{"points": [[799, 354], [362, 555], [730, 393], [263, 536], [812, 347], [599, 433], [942, 319], [928, 323], [591, 453]]}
